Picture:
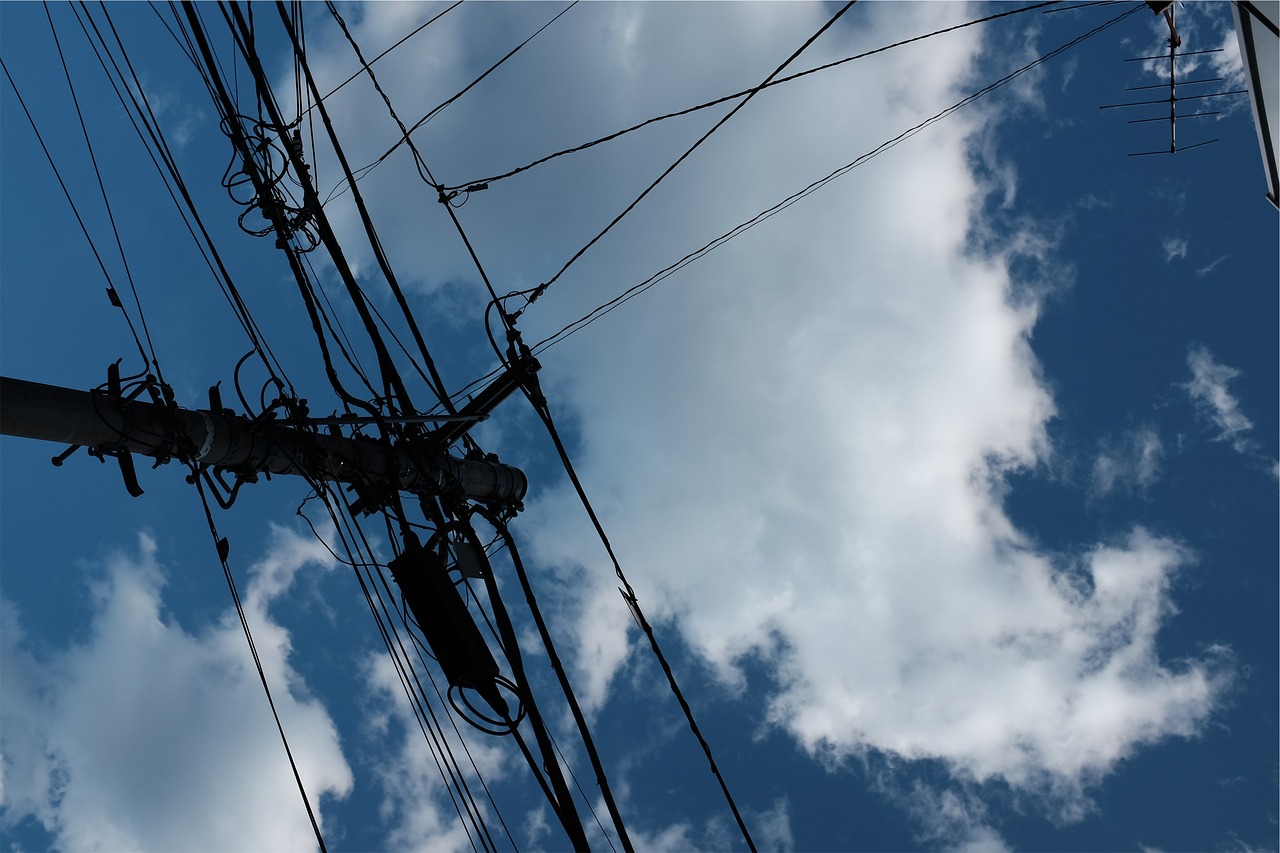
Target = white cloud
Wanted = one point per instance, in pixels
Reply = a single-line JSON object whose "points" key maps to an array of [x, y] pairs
{"points": [[1132, 461], [146, 736], [771, 830], [952, 818], [1173, 248], [1208, 390], [799, 445], [1211, 266], [416, 808]]}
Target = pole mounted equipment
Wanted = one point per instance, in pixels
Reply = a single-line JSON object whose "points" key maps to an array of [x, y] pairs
{"points": [[115, 425]]}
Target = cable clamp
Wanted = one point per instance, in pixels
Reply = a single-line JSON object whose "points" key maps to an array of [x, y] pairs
{"points": [[208, 436]]}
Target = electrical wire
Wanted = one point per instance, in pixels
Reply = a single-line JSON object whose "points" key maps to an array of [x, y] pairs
{"points": [[138, 108], [437, 383], [539, 403], [637, 289], [222, 98], [405, 133], [425, 715], [545, 634], [221, 546], [492, 179], [106, 202], [562, 801], [423, 169], [536, 292], [473, 813], [373, 61], [111, 290]]}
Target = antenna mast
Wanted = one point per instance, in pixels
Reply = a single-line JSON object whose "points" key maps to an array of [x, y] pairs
{"points": [[1168, 9]]}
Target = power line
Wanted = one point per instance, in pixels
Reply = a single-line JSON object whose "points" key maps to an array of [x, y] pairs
{"points": [[391, 380], [106, 202], [539, 403], [637, 289], [111, 291], [476, 183], [584, 731], [405, 133], [383, 263], [411, 34], [221, 546], [540, 289], [423, 170], [171, 177]]}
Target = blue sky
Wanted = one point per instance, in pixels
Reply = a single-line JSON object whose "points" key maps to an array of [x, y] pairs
{"points": [[950, 489]]}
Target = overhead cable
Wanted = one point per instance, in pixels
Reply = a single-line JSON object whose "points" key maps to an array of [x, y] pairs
{"points": [[111, 290], [583, 730], [539, 403], [221, 546], [423, 169], [639, 288], [106, 201], [384, 264], [391, 379], [533, 294], [492, 179], [405, 135], [139, 109], [411, 34]]}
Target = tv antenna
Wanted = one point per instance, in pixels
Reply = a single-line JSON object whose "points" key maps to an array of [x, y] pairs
{"points": [[1168, 10]]}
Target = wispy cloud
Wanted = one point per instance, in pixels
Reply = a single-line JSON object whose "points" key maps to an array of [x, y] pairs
{"points": [[1210, 267], [953, 818], [801, 447], [1208, 390], [1132, 461], [1173, 248], [415, 803]]}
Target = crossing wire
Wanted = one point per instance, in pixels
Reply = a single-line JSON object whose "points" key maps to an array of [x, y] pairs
{"points": [[492, 179], [637, 289], [224, 103], [545, 634], [373, 61], [437, 383], [540, 406], [456, 786], [106, 201], [542, 288], [423, 170], [138, 108], [406, 133], [539, 403], [390, 377], [93, 247], [447, 765]]}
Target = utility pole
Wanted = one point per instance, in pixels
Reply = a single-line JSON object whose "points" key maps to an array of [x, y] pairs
{"points": [[110, 423], [403, 453]]}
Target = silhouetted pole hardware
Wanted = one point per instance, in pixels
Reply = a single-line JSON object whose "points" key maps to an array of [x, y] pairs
{"points": [[112, 424]]}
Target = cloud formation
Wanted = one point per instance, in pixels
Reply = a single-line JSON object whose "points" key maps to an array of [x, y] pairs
{"points": [[1208, 391], [1174, 248], [414, 803], [146, 736], [1131, 462], [800, 445]]}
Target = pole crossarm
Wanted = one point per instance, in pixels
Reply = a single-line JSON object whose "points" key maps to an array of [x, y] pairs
{"points": [[97, 420]]}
